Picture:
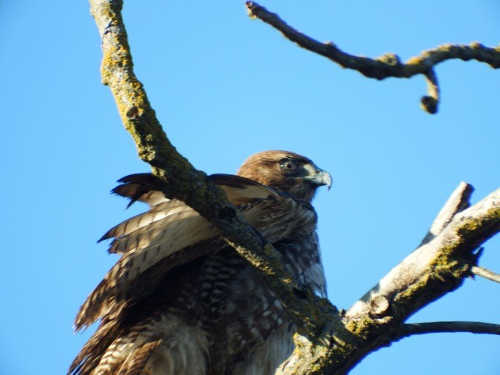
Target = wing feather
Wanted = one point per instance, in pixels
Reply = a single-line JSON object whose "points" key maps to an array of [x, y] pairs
{"points": [[171, 227], [146, 229], [158, 212], [241, 190], [143, 187], [174, 233], [137, 358]]}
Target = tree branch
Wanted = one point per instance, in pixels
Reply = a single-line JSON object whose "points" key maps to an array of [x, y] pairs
{"points": [[183, 181], [387, 65], [487, 274], [430, 102], [435, 268], [442, 327], [458, 201], [446, 259]]}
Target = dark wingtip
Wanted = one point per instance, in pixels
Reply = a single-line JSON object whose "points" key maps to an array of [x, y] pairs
{"points": [[119, 190], [105, 236], [231, 180], [126, 189], [136, 177]]}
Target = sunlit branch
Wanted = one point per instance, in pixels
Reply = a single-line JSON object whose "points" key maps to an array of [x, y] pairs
{"points": [[487, 274], [387, 65]]}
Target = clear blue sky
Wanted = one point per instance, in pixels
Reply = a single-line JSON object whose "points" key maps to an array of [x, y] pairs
{"points": [[224, 87]]}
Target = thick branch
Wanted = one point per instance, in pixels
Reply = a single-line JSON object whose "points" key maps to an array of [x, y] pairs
{"points": [[446, 259], [442, 327], [432, 270], [183, 181], [388, 65]]}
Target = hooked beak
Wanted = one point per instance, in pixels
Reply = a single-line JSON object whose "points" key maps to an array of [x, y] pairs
{"points": [[319, 177]]}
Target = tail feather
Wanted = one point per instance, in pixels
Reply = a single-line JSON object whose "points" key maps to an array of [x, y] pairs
{"points": [[96, 346], [163, 344]]}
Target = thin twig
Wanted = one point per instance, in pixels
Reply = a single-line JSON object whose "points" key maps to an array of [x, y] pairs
{"points": [[388, 65], [443, 327], [430, 102], [487, 274]]}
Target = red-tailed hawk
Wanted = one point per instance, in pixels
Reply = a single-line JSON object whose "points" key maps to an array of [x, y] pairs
{"points": [[180, 301]]}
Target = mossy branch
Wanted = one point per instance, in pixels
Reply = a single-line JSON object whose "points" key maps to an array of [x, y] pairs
{"points": [[387, 65], [183, 181]]}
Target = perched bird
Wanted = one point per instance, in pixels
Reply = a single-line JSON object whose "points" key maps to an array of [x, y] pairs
{"points": [[180, 301]]}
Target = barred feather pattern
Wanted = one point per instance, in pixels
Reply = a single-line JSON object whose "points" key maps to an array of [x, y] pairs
{"points": [[227, 300], [180, 301], [160, 342], [144, 242]]}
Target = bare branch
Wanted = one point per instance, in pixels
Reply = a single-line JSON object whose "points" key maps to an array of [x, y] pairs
{"points": [[448, 257], [487, 274], [442, 327], [458, 201], [434, 269], [388, 65], [183, 181]]}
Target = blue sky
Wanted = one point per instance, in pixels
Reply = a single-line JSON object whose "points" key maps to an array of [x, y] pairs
{"points": [[224, 87]]}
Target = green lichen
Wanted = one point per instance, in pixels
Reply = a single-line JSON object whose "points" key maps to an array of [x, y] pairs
{"points": [[361, 327]]}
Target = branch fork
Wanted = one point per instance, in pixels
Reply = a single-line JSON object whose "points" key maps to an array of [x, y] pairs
{"points": [[387, 65]]}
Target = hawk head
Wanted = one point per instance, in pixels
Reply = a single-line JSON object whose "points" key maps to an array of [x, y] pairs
{"points": [[286, 171]]}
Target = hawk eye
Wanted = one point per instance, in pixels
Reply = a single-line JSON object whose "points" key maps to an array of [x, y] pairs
{"points": [[288, 164]]}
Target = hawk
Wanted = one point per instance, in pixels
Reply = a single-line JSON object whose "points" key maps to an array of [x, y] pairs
{"points": [[180, 301]]}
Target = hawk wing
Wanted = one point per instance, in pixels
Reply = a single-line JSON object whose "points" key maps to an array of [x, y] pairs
{"points": [[169, 235]]}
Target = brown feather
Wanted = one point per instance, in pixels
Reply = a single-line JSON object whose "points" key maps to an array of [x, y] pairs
{"points": [[135, 362], [265, 168], [147, 246], [148, 238], [143, 187], [179, 293]]}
